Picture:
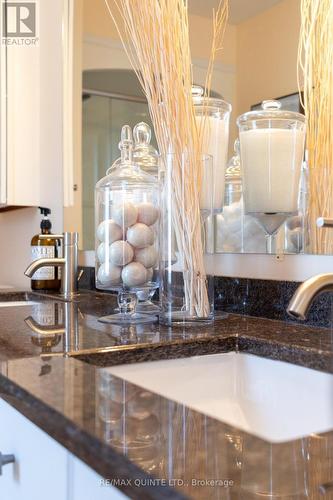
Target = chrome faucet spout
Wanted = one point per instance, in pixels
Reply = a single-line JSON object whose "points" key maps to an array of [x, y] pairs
{"points": [[38, 263], [305, 294], [69, 263]]}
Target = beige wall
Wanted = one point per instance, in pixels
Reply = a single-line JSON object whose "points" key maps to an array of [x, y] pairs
{"points": [[98, 29], [267, 54], [97, 22], [261, 52]]}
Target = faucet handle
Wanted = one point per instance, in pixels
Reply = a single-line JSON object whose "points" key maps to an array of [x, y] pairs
{"points": [[324, 222]]}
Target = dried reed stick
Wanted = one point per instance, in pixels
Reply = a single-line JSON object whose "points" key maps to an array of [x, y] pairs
{"points": [[155, 35], [315, 75]]}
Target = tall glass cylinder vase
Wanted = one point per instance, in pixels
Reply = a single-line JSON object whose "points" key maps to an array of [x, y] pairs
{"points": [[186, 290], [213, 116]]}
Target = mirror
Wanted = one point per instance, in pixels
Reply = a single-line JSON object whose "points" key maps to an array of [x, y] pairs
{"points": [[258, 62], [110, 99]]}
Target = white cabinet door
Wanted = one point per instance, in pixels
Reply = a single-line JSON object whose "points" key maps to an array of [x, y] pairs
{"points": [[43, 468], [86, 484], [40, 470], [31, 106]]}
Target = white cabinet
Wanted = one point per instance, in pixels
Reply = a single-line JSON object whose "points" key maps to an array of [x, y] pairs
{"points": [[40, 469], [43, 468], [85, 484], [31, 107]]}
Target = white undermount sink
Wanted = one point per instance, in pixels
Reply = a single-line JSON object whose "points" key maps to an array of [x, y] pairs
{"points": [[273, 400]]}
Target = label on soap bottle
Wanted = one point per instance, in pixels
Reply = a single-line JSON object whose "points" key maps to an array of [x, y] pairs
{"points": [[43, 252]]}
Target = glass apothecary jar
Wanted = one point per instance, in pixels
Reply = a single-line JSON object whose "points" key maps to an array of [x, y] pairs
{"points": [[127, 236], [213, 116], [272, 151], [229, 224], [236, 232]]}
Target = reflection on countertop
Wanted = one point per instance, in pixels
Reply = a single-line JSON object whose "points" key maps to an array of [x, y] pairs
{"points": [[50, 327], [127, 432], [124, 431]]}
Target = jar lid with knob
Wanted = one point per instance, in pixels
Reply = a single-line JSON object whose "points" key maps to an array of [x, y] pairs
{"points": [[271, 114], [144, 153]]}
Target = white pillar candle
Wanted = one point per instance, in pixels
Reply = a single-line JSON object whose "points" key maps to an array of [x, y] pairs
{"points": [[271, 165], [215, 144]]}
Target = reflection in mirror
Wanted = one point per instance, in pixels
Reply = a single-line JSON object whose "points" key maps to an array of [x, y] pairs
{"points": [[110, 99], [258, 62]]}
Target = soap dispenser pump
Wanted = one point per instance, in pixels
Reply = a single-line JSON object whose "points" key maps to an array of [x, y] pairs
{"points": [[46, 278]]}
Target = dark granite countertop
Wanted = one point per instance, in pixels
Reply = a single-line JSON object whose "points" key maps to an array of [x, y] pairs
{"points": [[125, 432]]}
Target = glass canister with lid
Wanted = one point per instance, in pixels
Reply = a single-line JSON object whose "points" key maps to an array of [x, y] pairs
{"points": [[212, 116], [272, 151], [235, 231], [127, 218], [229, 224], [233, 178]]}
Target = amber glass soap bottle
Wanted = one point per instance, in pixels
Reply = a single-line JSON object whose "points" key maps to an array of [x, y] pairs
{"points": [[46, 278]]}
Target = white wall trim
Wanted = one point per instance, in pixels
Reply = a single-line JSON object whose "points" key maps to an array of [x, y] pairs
{"points": [[257, 266], [68, 101], [3, 117], [110, 43]]}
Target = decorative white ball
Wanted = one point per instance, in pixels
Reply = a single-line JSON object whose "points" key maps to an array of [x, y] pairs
{"points": [[147, 213], [125, 214], [140, 235], [147, 256], [101, 252], [150, 274], [134, 274], [109, 231], [121, 253], [108, 274]]}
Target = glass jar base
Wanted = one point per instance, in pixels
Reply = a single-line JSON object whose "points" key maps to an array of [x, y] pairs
{"points": [[147, 307], [128, 319]]}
